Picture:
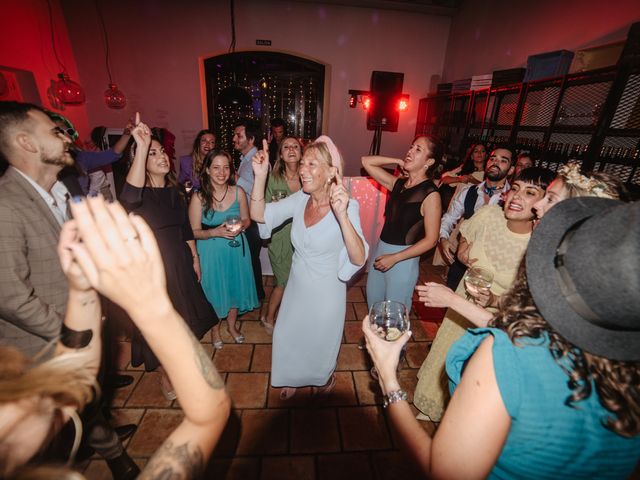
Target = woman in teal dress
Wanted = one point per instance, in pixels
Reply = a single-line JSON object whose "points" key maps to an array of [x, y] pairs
{"points": [[219, 215], [283, 181]]}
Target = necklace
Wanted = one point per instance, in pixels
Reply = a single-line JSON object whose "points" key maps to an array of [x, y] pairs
{"points": [[225, 194]]}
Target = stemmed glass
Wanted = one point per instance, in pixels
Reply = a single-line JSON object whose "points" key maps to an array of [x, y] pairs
{"points": [[278, 195], [477, 279], [389, 319], [234, 224]]}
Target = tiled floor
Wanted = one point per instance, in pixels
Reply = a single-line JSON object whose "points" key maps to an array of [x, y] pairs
{"points": [[344, 436]]}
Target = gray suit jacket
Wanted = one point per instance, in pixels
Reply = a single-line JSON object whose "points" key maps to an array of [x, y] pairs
{"points": [[33, 288]]}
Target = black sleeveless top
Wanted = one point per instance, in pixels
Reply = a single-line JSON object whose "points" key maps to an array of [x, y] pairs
{"points": [[404, 224]]}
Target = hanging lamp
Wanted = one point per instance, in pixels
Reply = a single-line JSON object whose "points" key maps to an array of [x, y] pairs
{"points": [[113, 96], [234, 95], [65, 90]]}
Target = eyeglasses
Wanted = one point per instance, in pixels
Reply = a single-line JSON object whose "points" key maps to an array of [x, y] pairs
{"points": [[69, 132]]}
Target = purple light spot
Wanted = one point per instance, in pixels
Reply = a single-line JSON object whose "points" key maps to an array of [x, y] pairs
{"points": [[375, 18], [322, 13], [342, 39]]}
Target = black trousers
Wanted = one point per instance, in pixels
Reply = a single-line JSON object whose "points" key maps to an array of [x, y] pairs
{"points": [[255, 245], [456, 272]]}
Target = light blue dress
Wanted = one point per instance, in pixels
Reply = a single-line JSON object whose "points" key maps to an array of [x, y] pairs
{"points": [[547, 438], [227, 276], [308, 330]]}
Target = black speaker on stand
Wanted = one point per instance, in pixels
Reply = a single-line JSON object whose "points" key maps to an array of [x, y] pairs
{"points": [[383, 115]]}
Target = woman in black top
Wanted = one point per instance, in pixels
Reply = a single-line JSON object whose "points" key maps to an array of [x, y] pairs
{"points": [[412, 220], [152, 192]]}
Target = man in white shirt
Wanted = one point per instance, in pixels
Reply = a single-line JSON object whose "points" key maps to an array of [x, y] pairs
{"points": [[246, 134], [489, 192]]}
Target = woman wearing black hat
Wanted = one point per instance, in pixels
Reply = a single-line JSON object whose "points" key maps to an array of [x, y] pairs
{"points": [[552, 388]]}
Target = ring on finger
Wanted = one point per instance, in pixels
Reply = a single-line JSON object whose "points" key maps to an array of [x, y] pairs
{"points": [[131, 238]]}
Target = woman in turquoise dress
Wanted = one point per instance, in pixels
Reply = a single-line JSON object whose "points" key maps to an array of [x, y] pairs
{"points": [[219, 215], [283, 181]]}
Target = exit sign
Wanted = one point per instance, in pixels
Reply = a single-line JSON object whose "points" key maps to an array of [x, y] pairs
{"points": [[264, 43]]}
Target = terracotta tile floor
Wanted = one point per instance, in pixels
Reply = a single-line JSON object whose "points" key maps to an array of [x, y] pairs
{"points": [[345, 436]]}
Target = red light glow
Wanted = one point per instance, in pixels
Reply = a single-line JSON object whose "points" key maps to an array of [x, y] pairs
{"points": [[366, 103], [403, 105]]}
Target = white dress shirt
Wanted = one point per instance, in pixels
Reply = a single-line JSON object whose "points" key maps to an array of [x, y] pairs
{"points": [[456, 208], [56, 200]]}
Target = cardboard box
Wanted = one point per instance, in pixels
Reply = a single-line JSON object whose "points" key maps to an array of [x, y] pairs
{"points": [[596, 57]]}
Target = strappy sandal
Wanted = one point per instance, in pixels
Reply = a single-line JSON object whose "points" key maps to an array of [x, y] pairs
{"points": [[287, 392], [325, 389]]}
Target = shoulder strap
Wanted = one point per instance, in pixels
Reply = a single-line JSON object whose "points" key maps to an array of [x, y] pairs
{"points": [[470, 202]]}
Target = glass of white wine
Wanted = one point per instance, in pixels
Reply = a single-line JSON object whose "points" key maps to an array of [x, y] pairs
{"points": [[389, 319], [477, 280], [278, 195], [234, 224]]}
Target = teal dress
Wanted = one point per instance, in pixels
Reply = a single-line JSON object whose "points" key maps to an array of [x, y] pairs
{"points": [[547, 438], [227, 276]]}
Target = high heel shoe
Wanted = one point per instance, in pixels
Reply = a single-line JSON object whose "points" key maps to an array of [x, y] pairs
{"points": [[267, 326], [325, 389]]}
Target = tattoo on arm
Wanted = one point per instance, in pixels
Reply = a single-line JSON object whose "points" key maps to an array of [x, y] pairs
{"points": [[174, 462], [205, 365]]}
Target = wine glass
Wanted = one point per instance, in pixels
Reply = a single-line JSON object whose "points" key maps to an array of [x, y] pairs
{"points": [[234, 224], [477, 279], [389, 319], [278, 195]]}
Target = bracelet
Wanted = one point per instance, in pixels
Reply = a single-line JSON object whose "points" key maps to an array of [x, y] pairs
{"points": [[74, 338], [393, 397], [256, 199]]}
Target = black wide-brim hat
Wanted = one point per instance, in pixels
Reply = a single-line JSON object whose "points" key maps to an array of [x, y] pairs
{"points": [[583, 270]]}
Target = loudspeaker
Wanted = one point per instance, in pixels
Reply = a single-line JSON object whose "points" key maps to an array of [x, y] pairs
{"points": [[386, 90]]}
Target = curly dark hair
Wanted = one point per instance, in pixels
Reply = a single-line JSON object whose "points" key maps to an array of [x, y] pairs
{"points": [[206, 189], [467, 165], [617, 383], [436, 151]]}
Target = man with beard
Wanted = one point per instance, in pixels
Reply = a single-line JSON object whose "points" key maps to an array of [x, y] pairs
{"points": [[33, 287], [489, 192]]}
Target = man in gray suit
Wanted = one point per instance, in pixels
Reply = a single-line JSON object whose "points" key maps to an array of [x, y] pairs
{"points": [[33, 288]]}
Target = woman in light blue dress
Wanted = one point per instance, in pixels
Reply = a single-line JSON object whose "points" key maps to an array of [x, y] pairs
{"points": [[329, 248], [225, 260]]}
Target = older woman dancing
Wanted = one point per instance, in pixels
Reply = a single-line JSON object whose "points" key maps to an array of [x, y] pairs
{"points": [[329, 249]]}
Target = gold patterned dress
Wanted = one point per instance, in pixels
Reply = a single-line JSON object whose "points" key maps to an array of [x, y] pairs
{"points": [[497, 249]]}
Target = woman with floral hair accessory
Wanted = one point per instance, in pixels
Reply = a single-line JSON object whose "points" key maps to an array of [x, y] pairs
{"points": [[329, 249], [570, 183]]}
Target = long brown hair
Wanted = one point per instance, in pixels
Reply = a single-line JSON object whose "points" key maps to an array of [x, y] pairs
{"points": [[206, 189], [616, 383], [280, 166], [195, 151]]}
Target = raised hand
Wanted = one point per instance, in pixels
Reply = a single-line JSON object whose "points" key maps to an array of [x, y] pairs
{"points": [[76, 277], [141, 133], [118, 255], [339, 198], [260, 161]]}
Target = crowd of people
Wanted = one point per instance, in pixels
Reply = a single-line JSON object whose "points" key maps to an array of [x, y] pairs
{"points": [[535, 375]]}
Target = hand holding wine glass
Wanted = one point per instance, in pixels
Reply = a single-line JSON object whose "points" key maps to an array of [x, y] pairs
{"points": [[234, 227], [477, 283], [389, 319]]}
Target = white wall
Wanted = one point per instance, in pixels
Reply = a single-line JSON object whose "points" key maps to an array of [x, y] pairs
{"points": [[156, 46]]}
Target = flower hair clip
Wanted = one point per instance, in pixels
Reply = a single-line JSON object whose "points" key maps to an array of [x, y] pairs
{"points": [[572, 176]]}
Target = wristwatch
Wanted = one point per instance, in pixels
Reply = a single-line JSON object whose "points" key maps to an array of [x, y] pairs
{"points": [[393, 397]]}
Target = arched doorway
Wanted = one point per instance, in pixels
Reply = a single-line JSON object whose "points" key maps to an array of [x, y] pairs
{"points": [[280, 85]]}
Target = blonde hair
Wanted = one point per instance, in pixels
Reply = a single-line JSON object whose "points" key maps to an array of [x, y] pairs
{"points": [[60, 379], [594, 184], [321, 149]]}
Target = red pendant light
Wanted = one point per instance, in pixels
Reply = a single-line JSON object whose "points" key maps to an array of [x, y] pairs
{"points": [[114, 98], [68, 91]]}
